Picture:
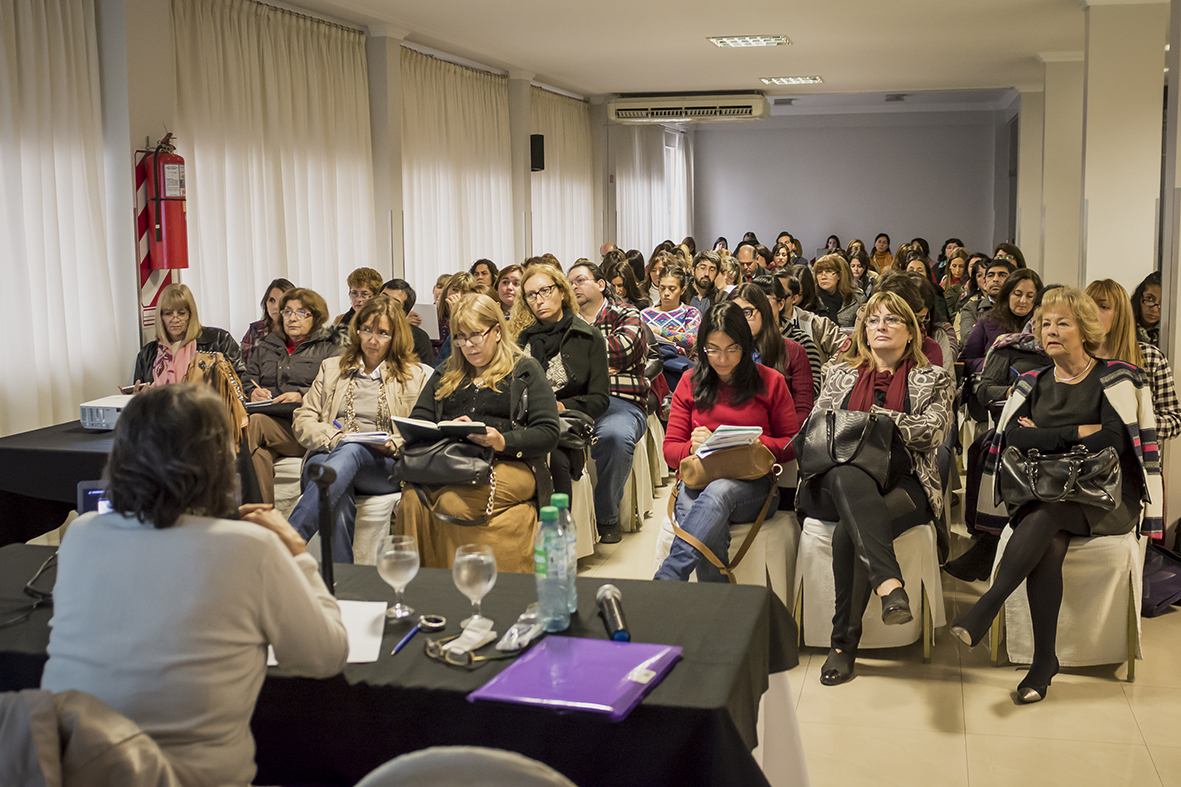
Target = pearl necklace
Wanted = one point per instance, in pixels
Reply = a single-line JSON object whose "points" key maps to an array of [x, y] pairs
{"points": [[1086, 369]]}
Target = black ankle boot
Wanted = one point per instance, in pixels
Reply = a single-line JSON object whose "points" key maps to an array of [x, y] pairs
{"points": [[838, 668], [896, 608], [975, 564]]}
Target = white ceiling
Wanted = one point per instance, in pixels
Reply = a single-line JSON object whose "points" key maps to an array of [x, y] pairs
{"points": [[638, 46]]}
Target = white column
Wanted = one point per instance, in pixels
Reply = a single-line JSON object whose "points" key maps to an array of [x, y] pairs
{"points": [[1171, 261], [1030, 129], [1124, 85], [383, 50], [520, 122], [604, 204], [1062, 167]]}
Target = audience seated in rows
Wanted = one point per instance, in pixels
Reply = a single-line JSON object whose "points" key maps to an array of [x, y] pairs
{"points": [[401, 291]]}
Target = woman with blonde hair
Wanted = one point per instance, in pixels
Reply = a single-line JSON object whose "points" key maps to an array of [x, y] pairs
{"points": [[1080, 400], [492, 381], [883, 372], [839, 299], [1116, 315], [180, 336], [546, 324], [378, 377]]}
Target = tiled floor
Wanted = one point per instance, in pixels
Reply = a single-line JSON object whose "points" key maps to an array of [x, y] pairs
{"points": [[956, 720]]}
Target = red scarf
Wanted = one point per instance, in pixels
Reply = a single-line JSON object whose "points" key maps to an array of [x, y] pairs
{"points": [[870, 381]]}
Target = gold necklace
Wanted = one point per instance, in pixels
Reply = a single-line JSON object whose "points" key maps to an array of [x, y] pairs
{"points": [[384, 423], [1086, 369]]}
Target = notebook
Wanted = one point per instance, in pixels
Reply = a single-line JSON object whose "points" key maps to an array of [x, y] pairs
{"points": [[573, 673], [415, 430]]}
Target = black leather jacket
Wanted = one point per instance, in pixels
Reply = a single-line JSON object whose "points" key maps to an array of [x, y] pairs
{"points": [[211, 340], [273, 368]]}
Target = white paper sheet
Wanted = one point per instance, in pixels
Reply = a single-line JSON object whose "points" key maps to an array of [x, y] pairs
{"points": [[365, 623]]}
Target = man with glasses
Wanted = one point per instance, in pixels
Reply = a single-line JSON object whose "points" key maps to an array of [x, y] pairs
{"points": [[994, 278], [748, 260], [705, 269], [619, 429]]}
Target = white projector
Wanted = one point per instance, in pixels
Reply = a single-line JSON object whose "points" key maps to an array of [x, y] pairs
{"points": [[103, 413]]}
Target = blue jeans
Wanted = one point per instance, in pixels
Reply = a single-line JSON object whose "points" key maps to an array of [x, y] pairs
{"points": [[707, 514], [616, 433], [359, 470]]}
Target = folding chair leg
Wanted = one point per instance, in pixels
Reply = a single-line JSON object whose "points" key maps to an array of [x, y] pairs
{"points": [[928, 633], [799, 616], [1131, 632]]}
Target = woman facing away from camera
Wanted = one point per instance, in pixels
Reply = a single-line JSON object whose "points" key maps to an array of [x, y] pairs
{"points": [[165, 606]]}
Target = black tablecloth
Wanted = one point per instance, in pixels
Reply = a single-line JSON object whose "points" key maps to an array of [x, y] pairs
{"points": [[696, 728]]}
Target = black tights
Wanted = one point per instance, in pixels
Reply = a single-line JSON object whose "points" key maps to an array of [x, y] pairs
{"points": [[1035, 553], [863, 541]]}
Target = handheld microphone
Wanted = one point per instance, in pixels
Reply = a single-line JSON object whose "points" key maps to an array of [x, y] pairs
{"points": [[324, 476], [610, 603]]}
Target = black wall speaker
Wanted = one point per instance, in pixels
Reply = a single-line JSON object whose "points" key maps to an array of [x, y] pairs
{"points": [[536, 152]]}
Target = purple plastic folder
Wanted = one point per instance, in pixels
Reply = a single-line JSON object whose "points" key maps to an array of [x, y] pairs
{"points": [[573, 673]]}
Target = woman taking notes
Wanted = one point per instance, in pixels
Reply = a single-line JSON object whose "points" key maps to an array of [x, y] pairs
{"points": [[1080, 400], [487, 379], [726, 388], [164, 607], [883, 372], [377, 378]]}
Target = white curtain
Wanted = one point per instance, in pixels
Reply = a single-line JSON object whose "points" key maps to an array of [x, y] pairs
{"points": [[456, 168], [66, 340], [563, 193], [273, 111], [653, 185]]}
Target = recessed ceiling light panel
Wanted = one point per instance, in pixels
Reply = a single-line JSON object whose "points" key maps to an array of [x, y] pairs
{"points": [[792, 80], [748, 41]]}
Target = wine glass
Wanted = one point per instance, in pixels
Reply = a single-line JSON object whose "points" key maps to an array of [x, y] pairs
{"points": [[397, 564], [474, 571]]}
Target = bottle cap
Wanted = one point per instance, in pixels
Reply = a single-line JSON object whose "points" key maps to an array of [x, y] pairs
{"points": [[549, 512], [559, 500]]}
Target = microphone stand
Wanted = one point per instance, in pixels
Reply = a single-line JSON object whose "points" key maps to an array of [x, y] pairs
{"points": [[323, 477]]}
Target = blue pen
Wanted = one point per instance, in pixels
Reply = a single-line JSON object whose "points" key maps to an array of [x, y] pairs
{"points": [[402, 643], [338, 426]]}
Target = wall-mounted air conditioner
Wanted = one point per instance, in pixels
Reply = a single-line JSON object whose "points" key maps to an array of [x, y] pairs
{"points": [[688, 109]]}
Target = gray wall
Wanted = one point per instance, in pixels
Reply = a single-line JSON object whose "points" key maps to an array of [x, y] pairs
{"points": [[927, 174]]}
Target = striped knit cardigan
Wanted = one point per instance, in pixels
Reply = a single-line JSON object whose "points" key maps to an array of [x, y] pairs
{"points": [[1128, 391]]}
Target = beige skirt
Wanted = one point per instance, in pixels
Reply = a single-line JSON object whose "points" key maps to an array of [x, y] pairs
{"points": [[509, 532]]}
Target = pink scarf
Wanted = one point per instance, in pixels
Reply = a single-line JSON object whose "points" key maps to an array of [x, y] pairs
{"points": [[169, 368]]}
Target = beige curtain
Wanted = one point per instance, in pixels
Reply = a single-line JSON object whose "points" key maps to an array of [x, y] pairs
{"points": [[563, 193]]}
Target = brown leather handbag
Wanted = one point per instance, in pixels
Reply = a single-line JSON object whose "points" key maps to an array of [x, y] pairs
{"points": [[742, 463]]}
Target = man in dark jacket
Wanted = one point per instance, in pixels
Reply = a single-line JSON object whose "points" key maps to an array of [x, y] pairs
{"points": [[623, 425]]}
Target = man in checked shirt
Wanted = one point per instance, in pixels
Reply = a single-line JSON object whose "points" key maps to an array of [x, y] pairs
{"points": [[624, 423]]}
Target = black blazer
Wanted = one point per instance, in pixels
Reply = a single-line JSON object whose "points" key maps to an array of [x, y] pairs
{"points": [[211, 340]]}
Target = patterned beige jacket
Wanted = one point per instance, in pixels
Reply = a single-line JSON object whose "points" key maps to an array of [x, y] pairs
{"points": [[931, 391]]}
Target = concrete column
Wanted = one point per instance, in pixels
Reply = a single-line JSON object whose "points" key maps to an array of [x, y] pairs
{"points": [[520, 123], [383, 50], [1123, 101], [1171, 261], [1030, 130], [1062, 167]]}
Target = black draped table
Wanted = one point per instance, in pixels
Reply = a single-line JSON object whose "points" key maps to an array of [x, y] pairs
{"points": [[39, 475], [697, 727]]}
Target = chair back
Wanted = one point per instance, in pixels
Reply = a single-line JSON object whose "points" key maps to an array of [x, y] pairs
{"points": [[464, 766]]}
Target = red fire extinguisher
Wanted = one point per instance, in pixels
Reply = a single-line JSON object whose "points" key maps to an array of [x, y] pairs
{"points": [[168, 236]]}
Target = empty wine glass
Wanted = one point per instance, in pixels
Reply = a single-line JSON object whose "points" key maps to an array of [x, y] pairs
{"points": [[397, 564], [474, 571]]}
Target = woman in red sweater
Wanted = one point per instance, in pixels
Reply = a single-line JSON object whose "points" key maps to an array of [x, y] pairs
{"points": [[727, 388]]}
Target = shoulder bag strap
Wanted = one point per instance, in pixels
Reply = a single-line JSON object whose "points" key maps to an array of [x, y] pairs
{"points": [[454, 520], [706, 552]]}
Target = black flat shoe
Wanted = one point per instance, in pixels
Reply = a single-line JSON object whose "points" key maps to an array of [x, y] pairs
{"points": [[837, 669], [896, 608], [1029, 692]]}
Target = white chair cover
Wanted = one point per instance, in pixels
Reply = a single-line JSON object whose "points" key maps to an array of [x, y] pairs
{"points": [[464, 766], [770, 561], [919, 561], [582, 508], [654, 437], [1093, 621], [287, 472]]}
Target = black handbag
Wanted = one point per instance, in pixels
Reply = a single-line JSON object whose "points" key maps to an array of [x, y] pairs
{"points": [[1078, 476], [574, 430], [868, 441], [445, 462]]}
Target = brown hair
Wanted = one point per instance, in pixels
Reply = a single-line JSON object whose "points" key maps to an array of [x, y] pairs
{"points": [[311, 301], [835, 263], [462, 282], [400, 354], [173, 454], [366, 277], [522, 316]]}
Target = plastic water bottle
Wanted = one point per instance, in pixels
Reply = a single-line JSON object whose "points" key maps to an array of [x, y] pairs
{"points": [[549, 566], [566, 520]]}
